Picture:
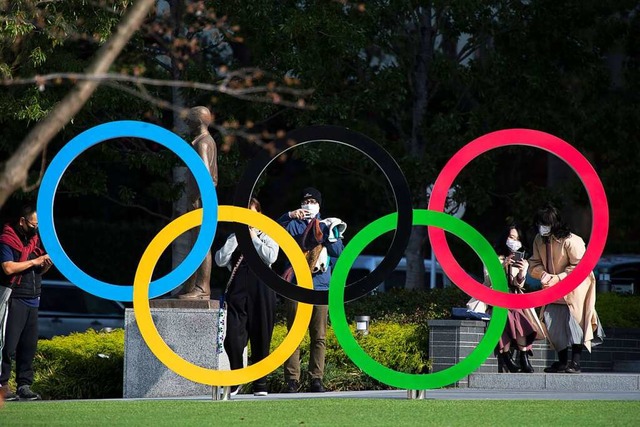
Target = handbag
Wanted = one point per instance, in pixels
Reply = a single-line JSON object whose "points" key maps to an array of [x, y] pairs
{"points": [[532, 317], [222, 310], [477, 306]]}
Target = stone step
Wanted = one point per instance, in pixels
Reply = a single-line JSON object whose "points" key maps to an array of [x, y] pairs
{"points": [[584, 382]]}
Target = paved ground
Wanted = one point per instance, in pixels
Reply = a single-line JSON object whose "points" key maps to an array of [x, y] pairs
{"points": [[442, 394]]}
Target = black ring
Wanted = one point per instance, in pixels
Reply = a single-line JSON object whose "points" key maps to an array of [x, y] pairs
{"points": [[400, 190]]}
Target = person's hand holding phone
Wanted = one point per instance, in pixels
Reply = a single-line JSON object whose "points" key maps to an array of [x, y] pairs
{"points": [[300, 214], [523, 266], [508, 260]]}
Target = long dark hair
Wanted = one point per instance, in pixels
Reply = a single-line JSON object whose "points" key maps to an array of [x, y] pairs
{"points": [[500, 245], [255, 203], [550, 216]]}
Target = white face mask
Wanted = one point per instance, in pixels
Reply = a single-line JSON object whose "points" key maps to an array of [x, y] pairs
{"points": [[544, 230], [514, 244], [314, 208]]}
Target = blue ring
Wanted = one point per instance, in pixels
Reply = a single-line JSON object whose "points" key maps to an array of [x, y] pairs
{"points": [[94, 136]]}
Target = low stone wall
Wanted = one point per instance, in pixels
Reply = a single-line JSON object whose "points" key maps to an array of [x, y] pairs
{"points": [[450, 341]]}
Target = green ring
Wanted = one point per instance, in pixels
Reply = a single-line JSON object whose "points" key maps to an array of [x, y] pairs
{"points": [[400, 379]]}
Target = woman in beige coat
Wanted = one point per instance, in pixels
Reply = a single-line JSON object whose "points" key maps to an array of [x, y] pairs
{"points": [[571, 321]]}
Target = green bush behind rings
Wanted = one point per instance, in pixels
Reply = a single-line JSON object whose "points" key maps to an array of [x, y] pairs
{"points": [[401, 347], [85, 365], [89, 365]]}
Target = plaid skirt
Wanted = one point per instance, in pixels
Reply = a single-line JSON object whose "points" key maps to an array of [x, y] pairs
{"points": [[564, 330]]}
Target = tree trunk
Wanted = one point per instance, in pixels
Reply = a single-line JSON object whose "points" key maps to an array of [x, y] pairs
{"points": [[181, 246], [417, 143], [15, 171], [416, 277]]}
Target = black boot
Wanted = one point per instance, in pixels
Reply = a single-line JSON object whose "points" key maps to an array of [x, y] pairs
{"points": [[507, 362], [525, 364], [515, 356]]}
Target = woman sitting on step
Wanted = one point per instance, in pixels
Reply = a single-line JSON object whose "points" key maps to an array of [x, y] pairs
{"points": [[572, 320], [520, 331]]}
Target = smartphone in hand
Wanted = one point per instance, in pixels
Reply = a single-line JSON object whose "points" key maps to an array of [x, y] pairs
{"points": [[517, 256]]}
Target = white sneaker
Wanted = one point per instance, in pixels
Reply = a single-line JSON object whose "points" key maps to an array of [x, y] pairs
{"points": [[260, 393], [233, 390]]}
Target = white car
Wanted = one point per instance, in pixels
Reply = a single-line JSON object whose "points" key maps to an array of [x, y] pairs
{"points": [[65, 308], [365, 264]]}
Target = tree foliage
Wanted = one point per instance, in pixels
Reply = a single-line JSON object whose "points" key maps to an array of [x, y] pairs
{"points": [[422, 78], [425, 78]]}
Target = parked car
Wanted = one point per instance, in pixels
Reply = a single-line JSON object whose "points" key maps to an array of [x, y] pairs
{"points": [[618, 273], [65, 308], [365, 264], [614, 273]]}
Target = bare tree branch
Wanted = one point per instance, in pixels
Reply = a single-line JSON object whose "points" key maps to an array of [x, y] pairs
{"points": [[136, 206], [254, 94], [145, 96], [15, 170], [225, 87], [258, 140]]}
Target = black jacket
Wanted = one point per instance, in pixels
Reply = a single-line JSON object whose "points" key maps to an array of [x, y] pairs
{"points": [[31, 283]]}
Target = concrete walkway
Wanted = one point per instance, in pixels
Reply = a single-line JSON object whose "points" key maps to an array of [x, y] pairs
{"points": [[492, 386], [585, 382], [540, 386], [456, 394], [484, 386], [439, 394]]}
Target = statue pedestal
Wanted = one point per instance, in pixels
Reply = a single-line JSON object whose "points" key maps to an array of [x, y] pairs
{"points": [[190, 328]]}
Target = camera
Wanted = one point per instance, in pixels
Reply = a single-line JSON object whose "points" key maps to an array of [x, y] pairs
{"points": [[517, 256]]}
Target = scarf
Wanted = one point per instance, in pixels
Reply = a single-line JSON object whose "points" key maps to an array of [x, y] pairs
{"points": [[10, 238], [550, 267], [310, 242]]}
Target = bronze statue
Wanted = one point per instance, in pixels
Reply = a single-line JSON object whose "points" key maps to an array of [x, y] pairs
{"points": [[198, 119]]}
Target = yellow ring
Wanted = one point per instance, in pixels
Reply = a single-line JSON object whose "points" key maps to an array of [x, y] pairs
{"points": [[155, 342]]}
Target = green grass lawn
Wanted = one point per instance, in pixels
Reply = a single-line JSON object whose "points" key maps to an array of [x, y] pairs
{"points": [[317, 412]]}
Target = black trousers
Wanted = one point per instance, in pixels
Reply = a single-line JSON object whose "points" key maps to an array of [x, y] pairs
{"points": [[21, 341], [250, 317]]}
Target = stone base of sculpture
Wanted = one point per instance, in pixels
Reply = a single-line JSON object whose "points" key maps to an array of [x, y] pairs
{"points": [[190, 329]]}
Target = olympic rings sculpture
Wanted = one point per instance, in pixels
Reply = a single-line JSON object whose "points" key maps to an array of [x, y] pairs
{"points": [[399, 188], [143, 289]]}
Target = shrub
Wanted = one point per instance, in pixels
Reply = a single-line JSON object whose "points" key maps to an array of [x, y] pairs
{"points": [[618, 311], [399, 347], [404, 306], [86, 365]]}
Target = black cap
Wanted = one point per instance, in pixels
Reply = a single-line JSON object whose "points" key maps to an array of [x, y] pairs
{"points": [[311, 192]]}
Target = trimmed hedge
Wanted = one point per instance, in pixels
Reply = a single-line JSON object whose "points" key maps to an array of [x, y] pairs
{"points": [[85, 365], [403, 306], [618, 311], [400, 347]]}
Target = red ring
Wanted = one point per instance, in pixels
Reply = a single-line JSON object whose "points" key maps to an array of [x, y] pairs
{"points": [[591, 182]]}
